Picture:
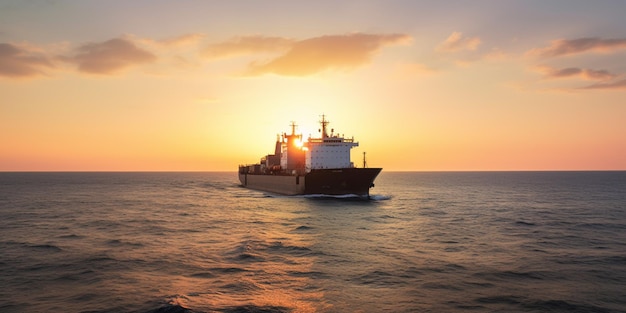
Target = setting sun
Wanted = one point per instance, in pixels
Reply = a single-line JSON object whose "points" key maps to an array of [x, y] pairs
{"points": [[299, 143]]}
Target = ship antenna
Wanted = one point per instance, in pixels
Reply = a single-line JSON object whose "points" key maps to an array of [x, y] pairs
{"points": [[293, 127], [324, 122], [364, 161]]}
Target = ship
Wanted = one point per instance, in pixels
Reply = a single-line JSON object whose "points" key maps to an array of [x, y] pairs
{"points": [[315, 166]]}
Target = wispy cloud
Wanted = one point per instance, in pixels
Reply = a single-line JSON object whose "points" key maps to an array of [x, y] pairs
{"points": [[245, 45], [563, 47], [182, 40], [457, 42], [575, 72], [317, 54], [620, 84], [21, 62], [567, 47], [110, 56]]}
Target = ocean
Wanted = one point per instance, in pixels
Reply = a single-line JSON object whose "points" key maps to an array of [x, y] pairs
{"points": [[425, 242]]}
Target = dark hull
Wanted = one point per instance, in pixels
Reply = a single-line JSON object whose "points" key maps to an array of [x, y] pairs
{"points": [[345, 181], [357, 181]]}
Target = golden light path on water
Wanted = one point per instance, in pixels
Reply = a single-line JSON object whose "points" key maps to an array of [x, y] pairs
{"points": [[270, 266]]}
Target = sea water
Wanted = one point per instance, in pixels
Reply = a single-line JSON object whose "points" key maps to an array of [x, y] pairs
{"points": [[425, 242]]}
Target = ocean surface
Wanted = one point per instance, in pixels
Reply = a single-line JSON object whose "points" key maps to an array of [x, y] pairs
{"points": [[426, 242]]}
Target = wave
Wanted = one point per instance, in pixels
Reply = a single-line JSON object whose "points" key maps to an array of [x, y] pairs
{"points": [[71, 236], [240, 287], [563, 306], [120, 243], [228, 270], [255, 309], [171, 308], [279, 246], [46, 247], [380, 197], [511, 275], [303, 227], [176, 308], [202, 275], [541, 305]]}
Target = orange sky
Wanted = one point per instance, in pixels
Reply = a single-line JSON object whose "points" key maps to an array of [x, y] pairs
{"points": [[429, 85]]}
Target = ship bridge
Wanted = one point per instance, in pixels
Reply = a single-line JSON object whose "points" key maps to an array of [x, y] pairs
{"points": [[329, 151]]}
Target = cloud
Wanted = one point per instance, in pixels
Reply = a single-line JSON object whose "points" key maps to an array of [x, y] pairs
{"points": [[247, 45], [575, 72], [563, 47], [110, 56], [180, 41], [620, 84], [20, 62], [456, 42], [183, 40], [316, 54]]}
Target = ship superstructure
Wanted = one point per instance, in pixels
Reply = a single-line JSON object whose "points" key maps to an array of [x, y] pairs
{"points": [[316, 166], [329, 151]]}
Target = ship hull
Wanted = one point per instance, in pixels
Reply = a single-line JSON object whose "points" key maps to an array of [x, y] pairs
{"points": [[280, 184], [357, 181]]}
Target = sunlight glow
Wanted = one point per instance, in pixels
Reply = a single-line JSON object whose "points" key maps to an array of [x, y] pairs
{"points": [[186, 95]]}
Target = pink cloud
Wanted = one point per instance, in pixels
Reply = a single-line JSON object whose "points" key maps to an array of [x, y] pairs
{"points": [[620, 84], [456, 42], [183, 40], [316, 54], [564, 47], [571, 72], [19, 62], [110, 56], [247, 45]]}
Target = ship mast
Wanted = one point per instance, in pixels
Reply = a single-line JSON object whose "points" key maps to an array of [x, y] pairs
{"points": [[293, 127], [324, 122]]}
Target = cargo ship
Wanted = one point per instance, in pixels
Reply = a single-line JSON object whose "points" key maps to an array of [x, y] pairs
{"points": [[320, 166]]}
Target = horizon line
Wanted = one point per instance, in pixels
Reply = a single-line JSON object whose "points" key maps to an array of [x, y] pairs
{"points": [[231, 171]]}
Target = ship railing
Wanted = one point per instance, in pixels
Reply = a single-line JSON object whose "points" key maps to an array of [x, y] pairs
{"points": [[258, 169], [331, 140]]}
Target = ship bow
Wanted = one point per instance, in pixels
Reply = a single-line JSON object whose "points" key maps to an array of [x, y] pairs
{"points": [[357, 181]]}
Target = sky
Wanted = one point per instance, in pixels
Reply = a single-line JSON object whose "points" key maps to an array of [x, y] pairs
{"points": [[153, 85]]}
